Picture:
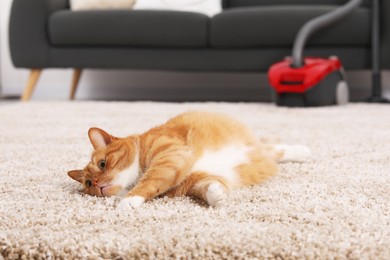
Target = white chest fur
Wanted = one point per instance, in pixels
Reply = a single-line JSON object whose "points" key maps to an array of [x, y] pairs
{"points": [[222, 162], [128, 176]]}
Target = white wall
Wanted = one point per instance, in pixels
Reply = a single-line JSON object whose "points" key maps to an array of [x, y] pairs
{"points": [[124, 84]]}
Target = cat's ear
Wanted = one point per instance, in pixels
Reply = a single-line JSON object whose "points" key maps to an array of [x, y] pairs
{"points": [[100, 138], [76, 175]]}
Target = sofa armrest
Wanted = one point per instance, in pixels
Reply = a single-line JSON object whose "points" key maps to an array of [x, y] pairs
{"points": [[28, 37]]}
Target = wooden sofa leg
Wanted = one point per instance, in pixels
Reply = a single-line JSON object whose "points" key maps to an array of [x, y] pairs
{"points": [[75, 82], [31, 83]]}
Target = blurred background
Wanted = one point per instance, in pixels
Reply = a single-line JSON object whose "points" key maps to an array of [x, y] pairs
{"points": [[151, 85]]}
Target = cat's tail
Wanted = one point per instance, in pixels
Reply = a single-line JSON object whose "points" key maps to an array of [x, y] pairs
{"points": [[293, 153]]}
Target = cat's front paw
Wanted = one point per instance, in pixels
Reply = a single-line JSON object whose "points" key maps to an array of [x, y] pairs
{"points": [[130, 203]]}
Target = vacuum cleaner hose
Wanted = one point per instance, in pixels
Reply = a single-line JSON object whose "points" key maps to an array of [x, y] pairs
{"points": [[315, 24]]}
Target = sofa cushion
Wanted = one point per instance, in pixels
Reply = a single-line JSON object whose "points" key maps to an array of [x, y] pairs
{"points": [[242, 3], [207, 7], [77, 5], [275, 26], [128, 28]]}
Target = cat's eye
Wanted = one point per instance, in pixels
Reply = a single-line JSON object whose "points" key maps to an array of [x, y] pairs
{"points": [[102, 164], [88, 183]]}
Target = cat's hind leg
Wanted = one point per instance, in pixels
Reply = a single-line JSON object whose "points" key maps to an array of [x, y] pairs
{"points": [[262, 165], [210, 188], [215, 194]]}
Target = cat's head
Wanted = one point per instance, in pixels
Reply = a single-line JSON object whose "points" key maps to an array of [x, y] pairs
{"points": [[113, 165]]}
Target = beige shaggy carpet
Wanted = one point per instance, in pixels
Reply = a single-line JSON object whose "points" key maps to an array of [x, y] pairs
{"points": [[337, 205]]}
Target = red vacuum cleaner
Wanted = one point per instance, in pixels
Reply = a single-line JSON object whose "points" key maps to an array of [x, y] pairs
{"points": [[311, 81]]}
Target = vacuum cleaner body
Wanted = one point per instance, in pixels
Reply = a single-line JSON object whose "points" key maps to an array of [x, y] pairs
{"points": [[320, 82], [301, 82]]}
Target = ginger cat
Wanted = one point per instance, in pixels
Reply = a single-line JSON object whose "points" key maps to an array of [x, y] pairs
{"points": [[196, 154]]}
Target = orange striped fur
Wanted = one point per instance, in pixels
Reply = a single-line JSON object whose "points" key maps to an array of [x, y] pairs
{"points": [[172, 159]]}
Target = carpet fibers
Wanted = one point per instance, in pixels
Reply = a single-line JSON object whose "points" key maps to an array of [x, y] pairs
{"points": [[337, 205]]}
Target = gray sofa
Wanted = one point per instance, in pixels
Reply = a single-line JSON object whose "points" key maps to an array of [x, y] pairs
{"points": [[249, 35]]}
